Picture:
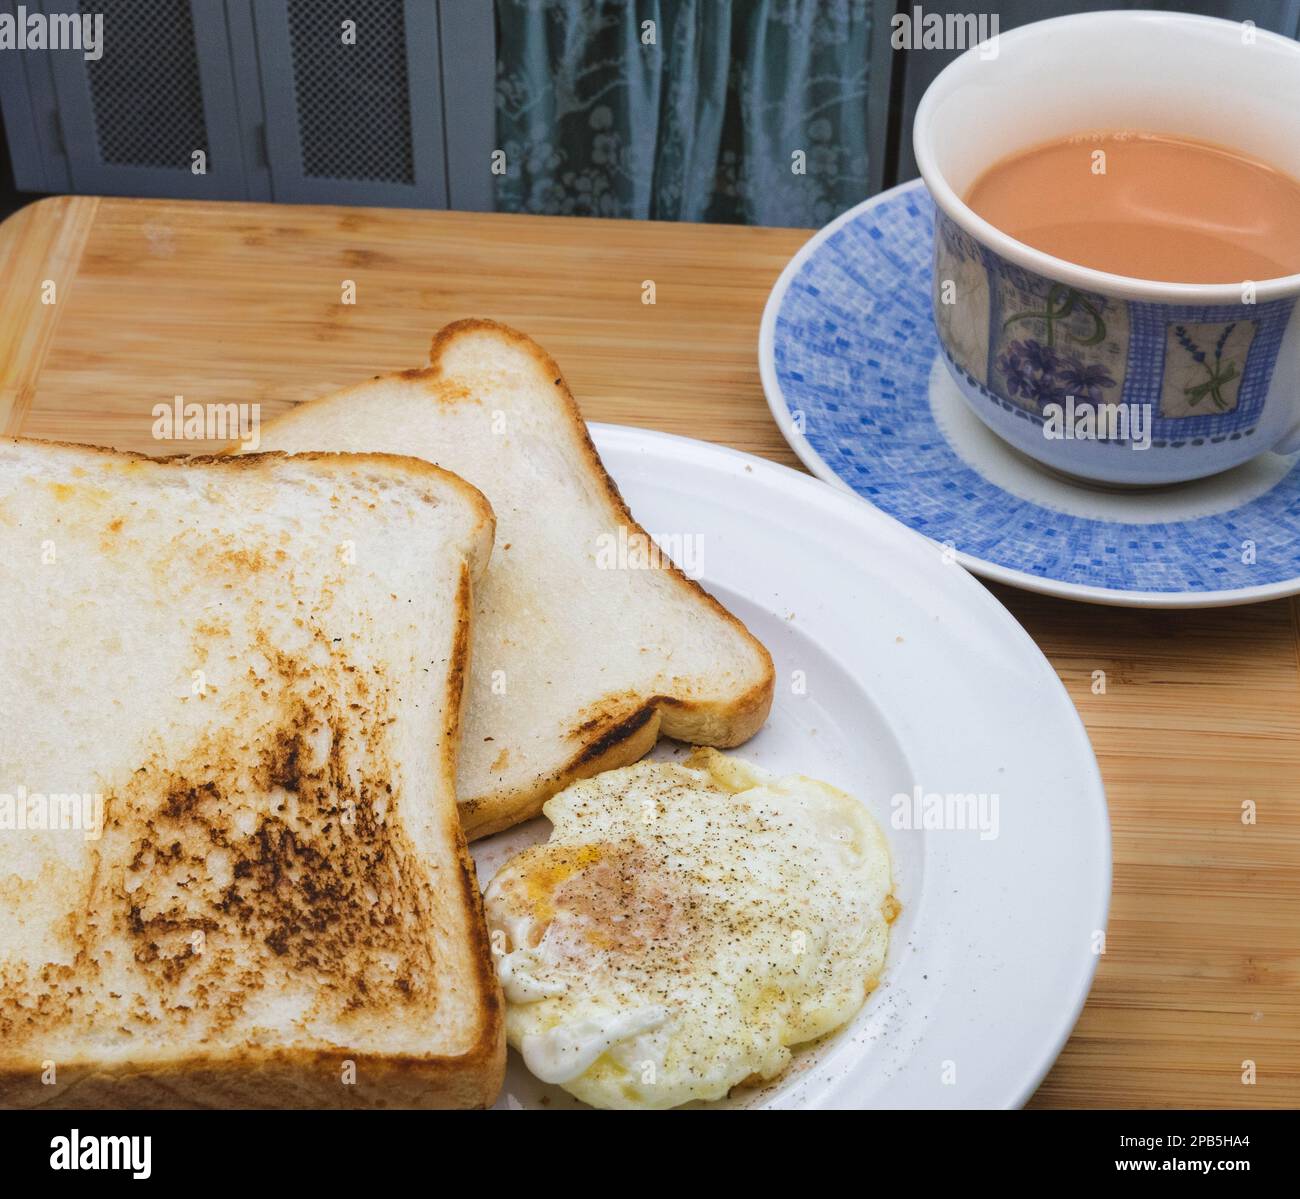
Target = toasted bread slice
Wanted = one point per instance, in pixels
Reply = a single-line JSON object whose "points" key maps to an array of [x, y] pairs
{"points": [[257, 665], [587, 644]]}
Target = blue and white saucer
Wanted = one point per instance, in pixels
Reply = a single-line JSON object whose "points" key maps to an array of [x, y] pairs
{"points": [[851, 365]]}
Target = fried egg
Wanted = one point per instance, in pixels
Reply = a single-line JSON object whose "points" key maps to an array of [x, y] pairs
{"points": [[685, 926]]}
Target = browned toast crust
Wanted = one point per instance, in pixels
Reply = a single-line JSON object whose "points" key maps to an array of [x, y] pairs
{"points": [[263, 1077], [639, 727]]}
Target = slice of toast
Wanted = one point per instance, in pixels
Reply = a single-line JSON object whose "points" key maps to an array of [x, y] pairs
{"points": [[588, 644], [252, 667]]}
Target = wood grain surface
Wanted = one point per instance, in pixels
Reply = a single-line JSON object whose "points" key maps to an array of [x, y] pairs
{"points": [[1201, 710]]}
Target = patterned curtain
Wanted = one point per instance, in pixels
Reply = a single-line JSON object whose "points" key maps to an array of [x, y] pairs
{"points": [[749, 111]]}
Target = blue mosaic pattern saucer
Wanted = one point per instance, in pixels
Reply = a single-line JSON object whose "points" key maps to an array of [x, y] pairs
{"points": [[847, 354]]}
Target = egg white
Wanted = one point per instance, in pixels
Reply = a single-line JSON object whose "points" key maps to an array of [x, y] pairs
{"points": [[685, 926]]}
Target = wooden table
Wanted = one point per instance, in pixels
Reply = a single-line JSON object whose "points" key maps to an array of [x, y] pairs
{"points": [[1201, 711]]}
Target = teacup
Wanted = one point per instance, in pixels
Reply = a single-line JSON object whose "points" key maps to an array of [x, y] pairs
{"points": [[1198, 378]]}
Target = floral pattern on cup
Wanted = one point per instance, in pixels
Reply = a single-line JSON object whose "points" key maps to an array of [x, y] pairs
{"points": [[1029, 340], [1204, 364], [1051, 341], [1036, 374]]}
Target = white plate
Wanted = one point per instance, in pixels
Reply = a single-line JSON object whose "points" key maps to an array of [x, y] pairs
{"points": [[915, 675]]}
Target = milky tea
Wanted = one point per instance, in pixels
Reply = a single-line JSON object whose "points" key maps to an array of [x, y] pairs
{"points": [[1147, 205]]}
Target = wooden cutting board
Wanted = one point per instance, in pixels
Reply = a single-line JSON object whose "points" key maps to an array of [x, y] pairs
{"points": [[110, 306]]}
